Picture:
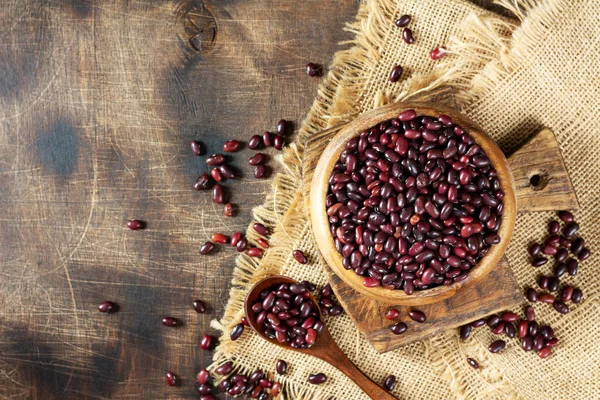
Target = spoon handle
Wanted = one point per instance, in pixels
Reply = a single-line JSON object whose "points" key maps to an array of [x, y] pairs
{"points": [[336, 357]]}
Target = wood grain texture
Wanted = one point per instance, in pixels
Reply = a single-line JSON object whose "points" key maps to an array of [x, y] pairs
{"points": [[98, 102], [541, 179], [496, 292]]}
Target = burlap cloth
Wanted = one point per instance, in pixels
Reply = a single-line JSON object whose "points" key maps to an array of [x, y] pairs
{"points": [[511, 77]]}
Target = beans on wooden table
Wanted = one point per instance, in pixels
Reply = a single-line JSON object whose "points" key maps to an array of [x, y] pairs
{"points": [[171, 378], [417, 316], [206, 248], [257, 159], [392, 314], [107, 306], [202, 182], [313, 69], [199, 306], [228, 210], [170, 321], [203, 377], [231, 146], [196, 147], [215, 160], [135, 224], [255, 142], [207, 341]]}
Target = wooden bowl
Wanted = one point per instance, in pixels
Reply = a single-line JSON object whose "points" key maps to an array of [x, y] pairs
{"points": [[319, 190]]}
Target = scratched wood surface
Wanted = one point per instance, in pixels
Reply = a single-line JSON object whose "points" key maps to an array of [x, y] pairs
{"points": [[98, 102]]}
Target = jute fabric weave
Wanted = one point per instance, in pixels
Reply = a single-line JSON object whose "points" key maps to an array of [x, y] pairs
{"points": [[512, 77]]}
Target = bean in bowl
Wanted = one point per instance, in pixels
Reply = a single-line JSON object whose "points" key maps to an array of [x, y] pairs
{"points": [[413, 203]]}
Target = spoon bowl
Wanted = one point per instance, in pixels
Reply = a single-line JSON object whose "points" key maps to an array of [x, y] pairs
{"points": [[324, 348]]}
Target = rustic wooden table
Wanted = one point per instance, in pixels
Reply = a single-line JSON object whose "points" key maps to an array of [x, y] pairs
{"points": [[98, 103]]}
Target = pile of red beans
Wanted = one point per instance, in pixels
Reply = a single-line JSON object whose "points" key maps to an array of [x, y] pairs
{"points": [[286, 313], [568, 250], [414, 203]]}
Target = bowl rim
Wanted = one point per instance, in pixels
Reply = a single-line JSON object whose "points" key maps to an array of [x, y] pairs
{"points": [[319, 188]]}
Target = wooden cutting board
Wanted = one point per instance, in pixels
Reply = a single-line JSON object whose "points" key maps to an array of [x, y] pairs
{"points": [[542, 184]]}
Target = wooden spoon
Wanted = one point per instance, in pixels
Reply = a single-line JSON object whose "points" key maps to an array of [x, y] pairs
{"points": [[324, 348]]}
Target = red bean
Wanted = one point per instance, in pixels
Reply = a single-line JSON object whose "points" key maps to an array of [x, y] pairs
{"points": [[207, 343], [545, 352], [390, 382], [407, 36], [218, 238], [403, 21], [577, 245], [465, 331], [135, 224], [399, 328], [281, 367], [532, 295], [255, 252], [224, 369], [497, 346], [438, 53], [235, 238], [241, 245], [257, 159], [522, 329], [577, 296], [278, 142], [317, 379], [255, 142], [171, 378], [199, 306], [216, 174], [202, 182], [566, 293], [498, 329], [206, 248], [267, 138], [566, 217], [313, 69], [392, 314], [260, 171], [263, 243], [215, 160], [107, 306], [539, 261], [236, 332], [228, 210], [417, 316], [570, 229], [217, 194], [396, 73], [203, 377], [474, 364], [572, 266], [231, 146], [530, 313], [282, 127], [196, 148], [560, 307], [170, 321], [553, 227], [260, 229], [478, 323], [299, 256], [584, 254], [546, 298]]}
